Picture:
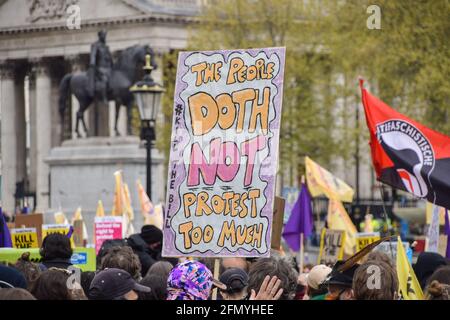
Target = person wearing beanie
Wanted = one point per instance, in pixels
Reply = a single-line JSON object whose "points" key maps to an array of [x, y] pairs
{"points": [[147, 245], [427, 263], [152, 235], [11, 278]]}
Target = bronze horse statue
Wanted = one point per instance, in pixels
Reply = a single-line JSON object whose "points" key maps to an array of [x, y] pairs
{"points": [[123, 75]]}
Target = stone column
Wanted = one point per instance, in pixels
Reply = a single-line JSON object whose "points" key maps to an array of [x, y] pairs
{"points": [[55, 119], [33, 130], [21, 130], [43, 133], [8, 136]]}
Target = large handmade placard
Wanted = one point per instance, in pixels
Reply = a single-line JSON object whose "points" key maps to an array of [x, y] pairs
{"points": [[224, 153]]}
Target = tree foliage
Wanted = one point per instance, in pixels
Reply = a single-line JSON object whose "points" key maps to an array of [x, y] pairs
{"points": [[328, 45]]}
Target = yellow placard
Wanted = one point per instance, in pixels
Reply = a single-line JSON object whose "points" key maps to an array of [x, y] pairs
{"points": [[24, 238], [338, 219], [57, 228], [331, 246], [429, 214], [363, 239]]}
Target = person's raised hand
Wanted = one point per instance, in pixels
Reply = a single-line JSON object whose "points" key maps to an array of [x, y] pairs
{"points": [[268, 290]]}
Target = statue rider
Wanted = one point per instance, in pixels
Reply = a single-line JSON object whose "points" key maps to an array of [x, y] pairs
{"points": [[100, 64]]}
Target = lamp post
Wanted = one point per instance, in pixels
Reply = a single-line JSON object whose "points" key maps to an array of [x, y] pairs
{"points": [[147, 94]]}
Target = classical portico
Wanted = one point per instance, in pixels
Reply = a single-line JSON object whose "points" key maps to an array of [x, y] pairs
{"points": [[38, 45]]}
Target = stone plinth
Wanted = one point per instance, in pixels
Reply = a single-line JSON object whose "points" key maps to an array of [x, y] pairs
{"points": [[81, 173]]}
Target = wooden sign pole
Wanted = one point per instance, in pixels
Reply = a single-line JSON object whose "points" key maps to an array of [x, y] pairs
{"points": [[302, 252], [302, 248], [216, 276]]}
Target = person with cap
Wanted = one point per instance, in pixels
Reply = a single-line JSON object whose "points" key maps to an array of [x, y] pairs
{"points": [[115, 284], [340, 282], [191, 280], [316, 288], [236, 282]]}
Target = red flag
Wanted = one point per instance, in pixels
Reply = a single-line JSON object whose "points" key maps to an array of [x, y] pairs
{"points": [[406, 154]]}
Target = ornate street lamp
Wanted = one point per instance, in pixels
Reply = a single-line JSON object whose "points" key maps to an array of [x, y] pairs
{"points": [[147, 94]]}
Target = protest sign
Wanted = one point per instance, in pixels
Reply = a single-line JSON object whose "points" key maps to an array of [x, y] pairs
{"points": [[363, 239], [390, 248], [442, 247], [291, 196], [31, 221], [107, 228], [224, 153], [78, 233], [278, 214], [430, 207], [432, 241], [57, 228], [24, 238], [331, 246], [83, 258]]}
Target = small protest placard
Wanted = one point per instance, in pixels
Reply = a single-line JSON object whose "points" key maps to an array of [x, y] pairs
{"points": [[23, 238], [57, 228], [78, 233], [363, 239], [34, 220], [442, 248], [331, 246], [107, 228], [390, 248]]}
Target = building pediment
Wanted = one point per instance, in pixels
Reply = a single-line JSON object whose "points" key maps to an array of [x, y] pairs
{"points": [[25, 15]]}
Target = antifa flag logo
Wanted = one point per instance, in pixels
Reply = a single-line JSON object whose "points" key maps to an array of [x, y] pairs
{"points": [[406, 154], [411, 153]]}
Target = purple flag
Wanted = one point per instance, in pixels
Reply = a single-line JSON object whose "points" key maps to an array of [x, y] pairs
{"points": [[5, 236], [300, 221], [447, 232]]}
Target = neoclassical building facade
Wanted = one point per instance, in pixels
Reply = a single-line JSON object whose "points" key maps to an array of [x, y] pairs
{"points": [[40, 41]]}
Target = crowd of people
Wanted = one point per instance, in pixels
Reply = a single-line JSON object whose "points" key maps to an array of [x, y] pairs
{"points": [[133, 269]]}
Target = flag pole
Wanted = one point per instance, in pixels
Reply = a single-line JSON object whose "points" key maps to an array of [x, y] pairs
{"points": [[302, 248], [302, 252], [386, 220], [216, 276]]}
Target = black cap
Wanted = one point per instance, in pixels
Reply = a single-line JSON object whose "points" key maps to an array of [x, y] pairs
{"points": [[341, 278], [235, 279], [113, 283], [151, 234]]}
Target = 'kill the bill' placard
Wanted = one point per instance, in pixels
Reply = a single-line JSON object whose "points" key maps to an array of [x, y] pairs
{"points": [[224, 153]]}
